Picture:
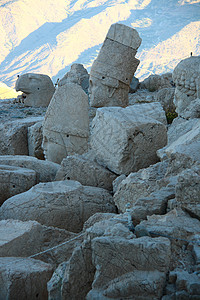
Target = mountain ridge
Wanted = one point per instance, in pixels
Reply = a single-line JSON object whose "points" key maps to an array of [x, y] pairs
{"points": [[65, 32]]}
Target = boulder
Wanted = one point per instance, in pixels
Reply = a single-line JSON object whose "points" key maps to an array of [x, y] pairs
{"points": [[125, 141], [188, 143], [35, 141], [134, 85], [156, 82], [29, 238], [45, 170], [37, 89], [166, 98], [23, 278], [86, 171], [77, 74], [192, 110], [146, 192], [62, 204], [15, 180], [180, 229], [188, 191], [66, 124], [13, 136], [121, 265], [112, 71]]}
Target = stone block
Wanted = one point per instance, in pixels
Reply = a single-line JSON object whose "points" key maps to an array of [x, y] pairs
{"points": [[125, 141], [62, 204], [35, 137], [23, 278], [15, 180], [13, 136], [45, 170], [23, 239], [86, 171]]}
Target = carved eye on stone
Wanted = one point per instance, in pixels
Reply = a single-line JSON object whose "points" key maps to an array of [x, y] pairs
{"points": [[38, 88]]}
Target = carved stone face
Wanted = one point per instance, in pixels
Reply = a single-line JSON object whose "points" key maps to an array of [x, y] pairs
{"points": [[104, 93], [38, 89], [186, 77]]}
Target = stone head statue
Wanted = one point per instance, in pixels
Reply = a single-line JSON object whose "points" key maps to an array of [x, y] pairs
{"points": [[66, 123], [114, 67], [186, 77], [77, 74], [38, 89]]}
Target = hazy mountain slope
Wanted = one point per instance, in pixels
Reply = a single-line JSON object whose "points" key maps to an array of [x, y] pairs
{"points": [[166, 55], [48, 36], [7, 92]]}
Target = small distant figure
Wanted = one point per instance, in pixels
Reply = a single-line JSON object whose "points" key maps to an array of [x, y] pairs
{"points": [[190, 53]]}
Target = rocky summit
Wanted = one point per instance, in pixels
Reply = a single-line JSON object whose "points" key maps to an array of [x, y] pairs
{"points": [[100, 181]]}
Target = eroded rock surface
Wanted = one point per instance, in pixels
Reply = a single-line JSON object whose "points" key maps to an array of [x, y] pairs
{"points": [[62, 204]]}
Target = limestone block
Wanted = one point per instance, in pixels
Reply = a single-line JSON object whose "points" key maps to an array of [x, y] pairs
{"points": [[188, 143], [117, 259], [35, 141], [112, 71], [134, 85], [37, 89], [179, 227], [179, 127], [188, 191], [188, 282], [23, 278], [156, 82], [166, 97], [66, 124], [192, 110], [124, 141], [13, 136], [146, 192], [186, 78], [45, 170], [77, 74], [25, 239], [132, 286], [79, 273], [15, 180], [62, 204], [86, 171]]}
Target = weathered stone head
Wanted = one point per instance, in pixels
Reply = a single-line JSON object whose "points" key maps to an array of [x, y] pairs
{"points": [[77, 74], [113, 70], [37, 89], [66, 123], [186, 76]]}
